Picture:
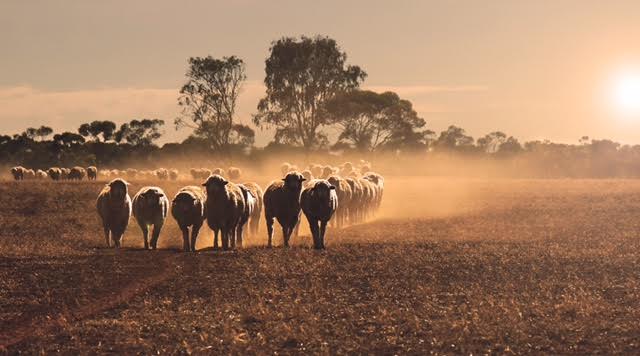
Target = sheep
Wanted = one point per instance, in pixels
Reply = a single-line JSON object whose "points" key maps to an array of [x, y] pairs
{"points": [[319, 202], [234, 173], [29, 174], [55, 173], [285, 168], [345, 195], [316, 170], [162, 174], [218, 171], [365, 168], [114, 209], [307, 175], [282, 202], [378, 182], [357, 197], [173, 174], [65, 172], [187, 208], [40, 174], [368, 197], [254, 221], [225, 207], [150, 207], [105, 174], [92, 173], [346, 168], [115, 173], [132, 173], [250, 203], [18, 172], [77, 173], [326, 172]]}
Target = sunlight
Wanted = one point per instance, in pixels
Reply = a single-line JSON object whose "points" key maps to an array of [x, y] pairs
{"points": [[626, 94]]}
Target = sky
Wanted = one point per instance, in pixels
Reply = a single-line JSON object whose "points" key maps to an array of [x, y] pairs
{"points": [[533, 69]]}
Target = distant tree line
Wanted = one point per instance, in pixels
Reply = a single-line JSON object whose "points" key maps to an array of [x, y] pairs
{"points": [[310, 90]]}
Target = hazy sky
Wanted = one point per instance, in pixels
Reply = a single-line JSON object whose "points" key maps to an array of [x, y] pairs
{"points": [[534, 69]]}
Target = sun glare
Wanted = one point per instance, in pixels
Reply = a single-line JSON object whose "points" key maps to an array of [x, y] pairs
{"points": [[626, 94]]}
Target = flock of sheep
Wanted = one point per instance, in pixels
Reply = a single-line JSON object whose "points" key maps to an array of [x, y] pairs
{"points": [[229, 207], [91, 173], [349, 193]]}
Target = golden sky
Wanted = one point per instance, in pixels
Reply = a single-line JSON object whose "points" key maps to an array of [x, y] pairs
{"points": [[533, 69]]}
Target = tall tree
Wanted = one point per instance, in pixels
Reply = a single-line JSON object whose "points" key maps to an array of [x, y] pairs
{"points": [[208, 100], [301, 74], [369, 120], [98, 130], [140, 132], [454, 139], [491, 142]]}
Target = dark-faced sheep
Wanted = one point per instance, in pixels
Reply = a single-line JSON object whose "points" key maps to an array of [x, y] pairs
{"points": [[234, 173], [254, 220], [345, 194], [55, 173], [65, 173], [282, 202], [188, 209], [77, 173], [319, 202], [225, 207], [150, 208], [18, 172], [92, 173], [114, 208]]}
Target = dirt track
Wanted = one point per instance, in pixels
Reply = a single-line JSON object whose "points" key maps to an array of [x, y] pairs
{"points": [[526, 266]]}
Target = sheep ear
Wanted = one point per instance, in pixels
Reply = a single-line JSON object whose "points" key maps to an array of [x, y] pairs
{"points": [[303, 179], [333, 187], [284, 179], [204, 184]]}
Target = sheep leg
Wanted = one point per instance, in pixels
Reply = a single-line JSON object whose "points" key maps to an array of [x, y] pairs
{"points": [[145, 234], [254, 224], [269, 230], [107, 237], [286, 235], [239, 235], [313, 225], [225, 239], [117, 236], [185, 238], [157, 227], [215, 239], [195, 230], [232, 237], [323, 229]]}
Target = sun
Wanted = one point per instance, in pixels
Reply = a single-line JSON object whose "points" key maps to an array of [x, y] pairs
{"points": [[625, 93]]}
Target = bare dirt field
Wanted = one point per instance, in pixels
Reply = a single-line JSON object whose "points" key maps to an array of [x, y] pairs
{"points": [[448, 266]]}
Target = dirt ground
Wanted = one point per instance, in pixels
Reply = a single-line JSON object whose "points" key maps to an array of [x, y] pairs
{"points": [[448, 266]]}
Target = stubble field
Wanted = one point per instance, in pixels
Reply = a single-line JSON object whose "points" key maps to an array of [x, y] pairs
{"points": [[448, 266]]}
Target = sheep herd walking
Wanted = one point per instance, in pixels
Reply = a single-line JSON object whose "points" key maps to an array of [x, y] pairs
{"points": [[324, 194]]}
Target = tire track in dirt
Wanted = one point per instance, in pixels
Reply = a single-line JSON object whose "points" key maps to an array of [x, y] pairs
{"points": [[41, 326]]}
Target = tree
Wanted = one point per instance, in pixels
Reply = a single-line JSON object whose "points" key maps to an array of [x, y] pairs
{"points": [[491, 142], [140, 132], [300, 75], [208, 100], [369, 120], [454, 139], [99, 131], [68, 139]]}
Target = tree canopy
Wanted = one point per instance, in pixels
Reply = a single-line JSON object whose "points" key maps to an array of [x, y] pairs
{"points": [[208, 101], [301, 74], [140, 132]]}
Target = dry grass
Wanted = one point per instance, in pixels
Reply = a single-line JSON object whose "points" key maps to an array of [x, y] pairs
{"points": [[451, 266]]}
